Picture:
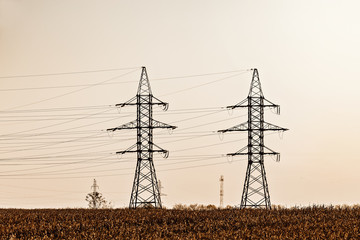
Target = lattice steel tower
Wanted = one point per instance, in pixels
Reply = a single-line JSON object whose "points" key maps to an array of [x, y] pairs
{"points": [[95, 187], [255, 193], [145, 190]]}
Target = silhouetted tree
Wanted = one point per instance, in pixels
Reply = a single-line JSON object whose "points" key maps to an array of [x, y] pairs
{"points": [[96, 200]]}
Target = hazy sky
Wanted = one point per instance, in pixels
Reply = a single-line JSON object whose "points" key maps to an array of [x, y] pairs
{"points": [[52, 142]]}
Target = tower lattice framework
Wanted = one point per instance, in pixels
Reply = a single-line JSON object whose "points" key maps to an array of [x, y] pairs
{"points": [[145, 190], [255, 193]]}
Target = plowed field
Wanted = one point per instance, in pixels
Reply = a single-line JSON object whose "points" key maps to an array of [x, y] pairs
{"points": [[307, 223]]}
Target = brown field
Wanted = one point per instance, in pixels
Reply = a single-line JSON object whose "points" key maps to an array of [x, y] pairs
{"points": [[303, 223]]}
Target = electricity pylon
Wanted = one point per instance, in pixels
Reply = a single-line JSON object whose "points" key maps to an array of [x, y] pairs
{"points": [[145, 190], [255, 193], [160, 188], [95, 187], [95, 199]]}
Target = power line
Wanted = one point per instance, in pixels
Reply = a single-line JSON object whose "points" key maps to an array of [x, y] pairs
{"points": [[68, 73], [51, 166], [59, 87], [206, 124], [63, 132], [56, 124], [110, 83], [199, 75], [68, 93], [121, 174], [104, 114], [40, 134], [39, 158], [66, 171], [81, 108], [44, 158], [72, 116], [38, 189], [38, 146], [200, 85], [52, 144]]}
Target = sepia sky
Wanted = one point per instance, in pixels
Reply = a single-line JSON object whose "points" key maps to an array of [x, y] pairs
{"points": [[56, 100]]}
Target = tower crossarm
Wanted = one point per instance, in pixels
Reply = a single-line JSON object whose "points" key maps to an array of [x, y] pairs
{"points": [[240, 127], [268, 104], [160, 150], [243, 103], [131, 102], [157, 149], [129, 150], [134, 125], [271, 127], [160, 103], [245, 127], [240, 152], [130, 125], [263, 103], [272, 152], [158, 124], [244, 152], [269, 151], [154, 101]]}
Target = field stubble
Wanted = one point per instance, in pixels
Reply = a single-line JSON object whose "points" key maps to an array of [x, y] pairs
{"points": [[296, 223]]}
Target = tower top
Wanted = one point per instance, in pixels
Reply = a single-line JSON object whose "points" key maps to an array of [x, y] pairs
{"points": [[144, 84], [255, 87]]}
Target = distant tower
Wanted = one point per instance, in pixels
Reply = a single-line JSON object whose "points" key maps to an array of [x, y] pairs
{"points": [[160, 188], [255, 193], [221, 191], [145, 189], [94, 187], [95, 199]]}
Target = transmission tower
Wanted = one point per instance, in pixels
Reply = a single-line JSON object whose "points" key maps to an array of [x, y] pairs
{"points": [[94, 187], [160, 188], [255, 193], [95, 199], [145, 190], [221, 191]]}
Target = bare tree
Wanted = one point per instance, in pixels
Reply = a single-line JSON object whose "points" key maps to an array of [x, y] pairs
{"points": [[95, 199]]}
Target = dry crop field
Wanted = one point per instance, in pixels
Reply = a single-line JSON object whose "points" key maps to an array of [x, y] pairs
{"points": [[303, 223]]}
